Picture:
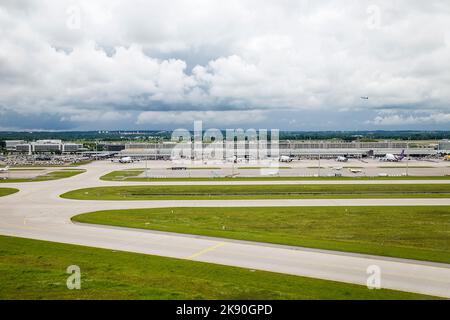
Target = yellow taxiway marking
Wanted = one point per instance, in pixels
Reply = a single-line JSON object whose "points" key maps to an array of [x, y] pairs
{"points": [[201, 252]]}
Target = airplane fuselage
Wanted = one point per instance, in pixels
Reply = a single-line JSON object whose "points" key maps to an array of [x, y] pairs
{"points": [[126, 160]]}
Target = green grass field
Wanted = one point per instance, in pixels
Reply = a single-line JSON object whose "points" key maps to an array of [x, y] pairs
{"points": [[132, 175], [404, 167], [26, 169], [299, 191], [32, 269], [7, 191], [53, 175], [201, 168], [420, 233], [259, 168], [121, 175]]}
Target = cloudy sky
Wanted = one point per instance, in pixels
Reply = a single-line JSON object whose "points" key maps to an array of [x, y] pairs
{"points": [[293, 65]]}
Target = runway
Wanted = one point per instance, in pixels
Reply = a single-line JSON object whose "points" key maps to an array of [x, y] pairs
{"points": [[37, 212]]}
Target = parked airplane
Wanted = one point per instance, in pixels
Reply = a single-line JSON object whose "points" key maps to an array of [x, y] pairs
{"points": [[285, 159], [6, 169], [126, 160], [341, 159], [393, 158]]}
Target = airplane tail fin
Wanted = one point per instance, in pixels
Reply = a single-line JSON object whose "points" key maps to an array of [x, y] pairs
{"points": [[402, 155]]}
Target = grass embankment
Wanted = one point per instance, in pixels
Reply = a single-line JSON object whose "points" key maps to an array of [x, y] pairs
{"points": [[7, 191], [34, 269], [133, 175], [53, 175], [420, 233], [295, 191], [121, 175]]}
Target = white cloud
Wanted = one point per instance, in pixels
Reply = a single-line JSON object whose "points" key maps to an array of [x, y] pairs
{"points": [[133, 57], [402, 120]]}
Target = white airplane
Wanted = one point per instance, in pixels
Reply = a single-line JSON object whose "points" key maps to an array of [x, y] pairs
{"points": [[341, 159], [393, 158], [6, 169], [126, 160], [285, 159], [355, 170]]}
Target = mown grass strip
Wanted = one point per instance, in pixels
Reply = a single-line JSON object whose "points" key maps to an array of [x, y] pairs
{"points": [[133, 175], [296, 191], [7, 191], [53, 175], [420, 233], [32, 269]]}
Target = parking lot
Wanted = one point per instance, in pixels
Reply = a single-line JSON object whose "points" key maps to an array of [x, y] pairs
{"points": [[41, 160]]}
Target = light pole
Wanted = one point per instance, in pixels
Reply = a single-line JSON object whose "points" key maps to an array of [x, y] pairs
{"points": [[232, 167], [407, 159], [318, 174], [146, 167]]}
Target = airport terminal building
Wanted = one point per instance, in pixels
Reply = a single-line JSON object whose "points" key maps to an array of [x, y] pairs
{"points": [[294, 149], [42, 146]]}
